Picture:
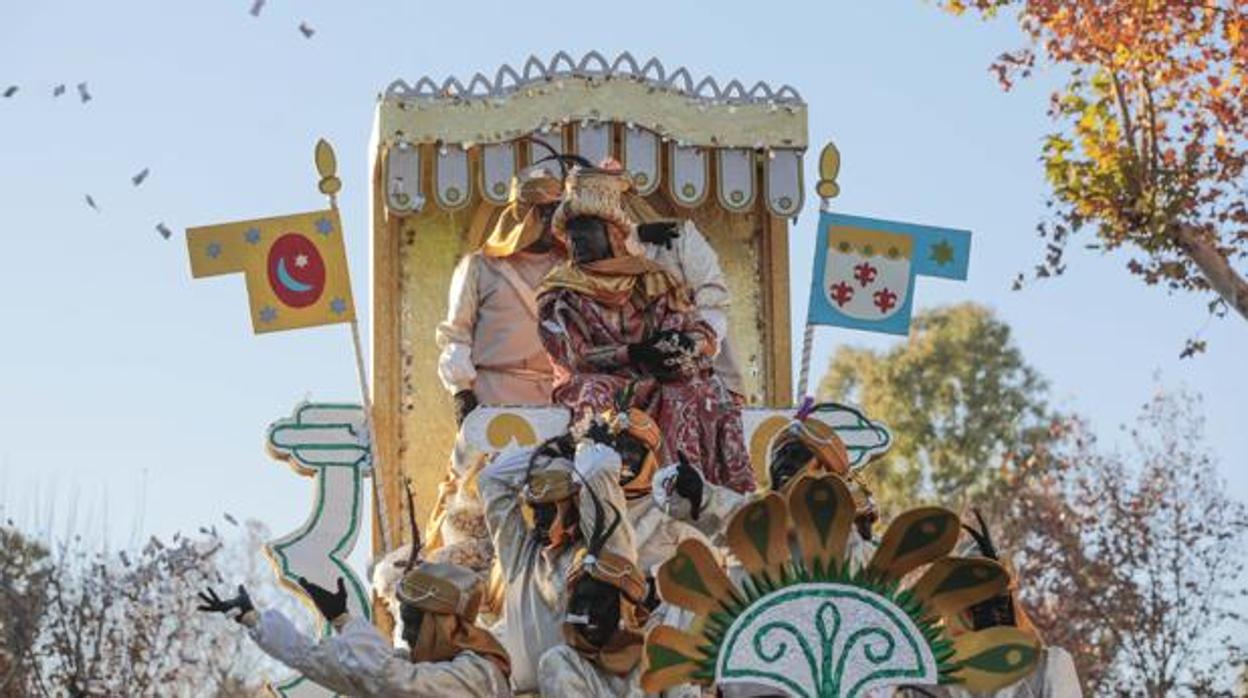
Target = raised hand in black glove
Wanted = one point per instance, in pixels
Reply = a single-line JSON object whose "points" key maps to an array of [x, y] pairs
{"points": [[465, 402], [215, 604], [600, 432], [565, 446], [330, 604], [659, 233], [689, 485]]}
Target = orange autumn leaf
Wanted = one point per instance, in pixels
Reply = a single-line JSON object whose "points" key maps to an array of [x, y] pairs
{"points": [[1151, 141]]}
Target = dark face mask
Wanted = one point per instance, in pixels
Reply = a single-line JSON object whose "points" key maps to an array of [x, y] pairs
{"points": [[543, 519], [632, 454], [999, 610], [788, 461], [589, 240], [600, 602], [546, 240], [412, 618]]}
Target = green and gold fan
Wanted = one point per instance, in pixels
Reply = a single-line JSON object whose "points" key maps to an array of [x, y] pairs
{"points": [[806, 621]]}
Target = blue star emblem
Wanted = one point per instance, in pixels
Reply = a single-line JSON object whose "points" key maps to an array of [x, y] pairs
{"points": [[338, 306], [252, 235], [268, 314], [214, 250], [323, 226]]}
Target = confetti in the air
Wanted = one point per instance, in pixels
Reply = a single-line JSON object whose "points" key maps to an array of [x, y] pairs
{"points": [[166, 233], [12, 90], [91, 202], [138, 178], [306, 30], [256, 7], [58, 90], [233, 521], [83, 94]]}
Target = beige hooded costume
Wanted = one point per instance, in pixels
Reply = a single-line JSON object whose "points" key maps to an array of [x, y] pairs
{"points": [[535, 596], [489, 339], [451, 657]]}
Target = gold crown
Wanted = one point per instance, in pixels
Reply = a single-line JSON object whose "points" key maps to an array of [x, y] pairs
{"points": [[590, 191]]}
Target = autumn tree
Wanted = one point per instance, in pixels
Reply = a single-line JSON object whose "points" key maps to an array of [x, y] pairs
{"points": [[24, 572], [1152, 133], [82, 620], [1133, 560], [960, 399]]}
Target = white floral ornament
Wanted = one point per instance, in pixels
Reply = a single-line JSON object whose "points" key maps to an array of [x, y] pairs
{"points": [[804, 620]]}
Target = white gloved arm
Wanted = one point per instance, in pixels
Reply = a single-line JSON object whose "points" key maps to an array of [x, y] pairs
{"points": [[468, 674], [705, 278], [454, 335], [719, 503], [600, 465], [500, 484], [326, 662]]}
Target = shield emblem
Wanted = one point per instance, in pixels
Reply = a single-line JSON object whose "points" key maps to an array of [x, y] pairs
{"points": [[868, 272]]}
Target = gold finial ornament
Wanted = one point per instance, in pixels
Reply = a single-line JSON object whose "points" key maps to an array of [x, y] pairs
{"points": [[327, 166], [829, 168]]}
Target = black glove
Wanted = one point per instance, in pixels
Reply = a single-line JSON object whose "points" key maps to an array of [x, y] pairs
{"points": [[689, 485], [215, 604], [646, 357], [330, 604], [600, 432], [652, 599], [679, 341], [465, 402], [565, 446], [659, 233]]}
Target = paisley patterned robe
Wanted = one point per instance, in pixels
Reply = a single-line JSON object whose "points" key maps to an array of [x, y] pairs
{"points": [[588, 345]]}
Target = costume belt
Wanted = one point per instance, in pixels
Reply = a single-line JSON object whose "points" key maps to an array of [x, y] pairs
{"points": [[520, 372]]}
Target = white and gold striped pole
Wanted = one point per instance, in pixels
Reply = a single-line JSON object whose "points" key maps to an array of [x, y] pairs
{"points": [[330, 185], [827, 189]]}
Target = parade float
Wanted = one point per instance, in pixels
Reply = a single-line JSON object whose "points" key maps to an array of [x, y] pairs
{"points": [[443, 156]]}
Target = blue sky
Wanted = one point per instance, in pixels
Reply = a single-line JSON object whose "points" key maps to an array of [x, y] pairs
{"points": [[131, 393]]}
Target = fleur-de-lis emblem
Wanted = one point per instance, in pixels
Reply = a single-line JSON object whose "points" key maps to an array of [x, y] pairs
{"points": [[841, 293], [865, 273], [885, 300]]}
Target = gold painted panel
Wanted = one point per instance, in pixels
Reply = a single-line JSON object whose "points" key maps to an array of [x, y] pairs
{"points": [[670, 113], [428, 245]]}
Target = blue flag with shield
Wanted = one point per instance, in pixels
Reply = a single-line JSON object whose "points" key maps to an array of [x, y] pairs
{"points": [[865, 269]]}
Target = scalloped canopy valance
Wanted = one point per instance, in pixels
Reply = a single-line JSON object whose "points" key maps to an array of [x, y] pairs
{"points": [[664, 126]]}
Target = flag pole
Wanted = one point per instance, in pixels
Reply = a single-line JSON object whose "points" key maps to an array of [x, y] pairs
{"points": [[327, 166], [827, 189], [803, 377]]}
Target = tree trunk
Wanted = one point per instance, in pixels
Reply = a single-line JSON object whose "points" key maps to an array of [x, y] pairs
{"points": [[1217, 270]]}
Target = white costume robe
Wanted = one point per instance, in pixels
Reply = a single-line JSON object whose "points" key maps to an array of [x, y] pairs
{"points": [[562, 671], [489, 339], [535, 600], [693, 261], [358, 661], [1054, 677], [657, 533]]}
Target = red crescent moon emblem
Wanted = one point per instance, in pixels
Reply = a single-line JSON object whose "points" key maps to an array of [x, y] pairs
{"points": [[296, 270]]}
